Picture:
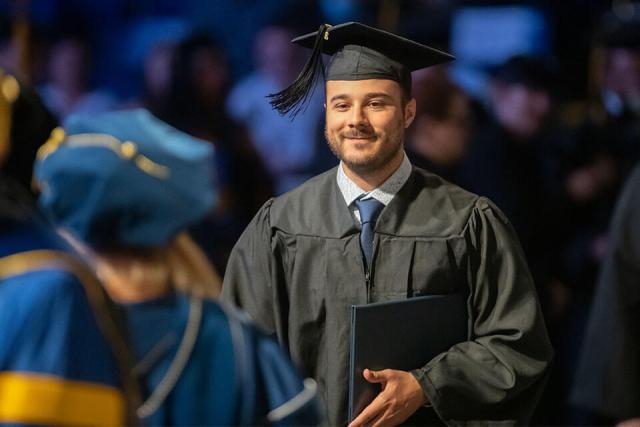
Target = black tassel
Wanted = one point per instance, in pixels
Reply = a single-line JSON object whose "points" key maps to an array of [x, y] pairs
{"points": [[292, 99]]}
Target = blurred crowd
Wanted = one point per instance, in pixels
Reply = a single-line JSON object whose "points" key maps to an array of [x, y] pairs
{"points": [[540, 112]]}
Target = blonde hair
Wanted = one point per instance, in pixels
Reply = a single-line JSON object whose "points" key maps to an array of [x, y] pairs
{"points": [[141, 273], [192, 272]]}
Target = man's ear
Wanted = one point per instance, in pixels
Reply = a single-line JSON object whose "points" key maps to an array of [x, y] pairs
{"points": [[409, 112]]}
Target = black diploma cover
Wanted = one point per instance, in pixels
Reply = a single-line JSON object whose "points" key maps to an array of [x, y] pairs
{"points": [[403, 335]]}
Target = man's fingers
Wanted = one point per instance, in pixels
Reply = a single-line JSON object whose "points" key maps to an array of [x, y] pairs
{"points": [[383, 420], [380, 420], [377, 376], [373, 410]]}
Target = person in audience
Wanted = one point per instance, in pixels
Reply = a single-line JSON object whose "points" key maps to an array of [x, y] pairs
{"points": [[63, 358], [606, 381], [289, 149], [67, 87], [440, 134], [198, 92]]}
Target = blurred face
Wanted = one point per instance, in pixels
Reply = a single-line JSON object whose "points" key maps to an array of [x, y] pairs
{"points": [[209, 73], [520, 109], [9, 57], [622, 74], [157, 69], [365, 123], [447, 139], [276, 55], [67, 66]]}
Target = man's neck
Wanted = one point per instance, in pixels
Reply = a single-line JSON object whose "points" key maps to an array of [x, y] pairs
{"points": [[370, 180]]}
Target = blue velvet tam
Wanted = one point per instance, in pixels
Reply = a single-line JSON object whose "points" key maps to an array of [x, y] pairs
{"points": [[124, 179]]}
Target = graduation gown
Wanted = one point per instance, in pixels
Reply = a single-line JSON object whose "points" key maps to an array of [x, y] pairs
{"points": [[56, 365], [233, 373], [298, 268], [608, 376]]}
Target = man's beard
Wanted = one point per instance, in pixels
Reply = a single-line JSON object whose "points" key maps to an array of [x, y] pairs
{"points": [[389, 147]]}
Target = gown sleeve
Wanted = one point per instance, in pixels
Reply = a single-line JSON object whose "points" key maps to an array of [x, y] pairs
{"points": [[253, 273], [499, 373], [289, 400]]}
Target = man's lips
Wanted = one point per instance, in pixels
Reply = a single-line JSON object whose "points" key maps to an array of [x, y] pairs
{"points": [[360, 137]]}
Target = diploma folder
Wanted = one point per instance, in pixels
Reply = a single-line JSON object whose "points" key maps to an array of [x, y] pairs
{"points": [[404, 335]]}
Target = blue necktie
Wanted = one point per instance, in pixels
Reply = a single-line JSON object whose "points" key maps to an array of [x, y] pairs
{"points": [[369, 211]]}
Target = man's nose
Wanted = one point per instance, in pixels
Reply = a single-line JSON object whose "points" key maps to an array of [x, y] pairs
{"points": [[358, 117]]}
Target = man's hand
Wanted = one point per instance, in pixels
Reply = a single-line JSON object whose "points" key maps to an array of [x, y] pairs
{"points": [[400, 397]]}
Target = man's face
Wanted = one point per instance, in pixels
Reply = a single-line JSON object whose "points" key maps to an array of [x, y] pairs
{"points": [[366, 121]]}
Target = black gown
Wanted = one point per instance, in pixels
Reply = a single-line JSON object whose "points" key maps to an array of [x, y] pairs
{"points": [[608, 377], [298, 268]]}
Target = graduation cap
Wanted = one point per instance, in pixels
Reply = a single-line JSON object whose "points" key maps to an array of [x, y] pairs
{"points": [[124, 179], [358, 52]]}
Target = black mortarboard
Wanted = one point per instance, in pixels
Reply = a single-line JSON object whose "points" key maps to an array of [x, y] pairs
{"points": [[358, 52]]}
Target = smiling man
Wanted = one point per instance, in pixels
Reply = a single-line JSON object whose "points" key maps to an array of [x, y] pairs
{"points": [[377, 229]]}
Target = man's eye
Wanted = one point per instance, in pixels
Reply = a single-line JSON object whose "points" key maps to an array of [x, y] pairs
{"points": [[376, 104], [341, 106]]}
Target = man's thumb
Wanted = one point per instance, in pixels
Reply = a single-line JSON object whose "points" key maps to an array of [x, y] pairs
{"points": [[374, 376]]}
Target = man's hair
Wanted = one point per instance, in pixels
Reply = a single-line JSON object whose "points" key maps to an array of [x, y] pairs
{"points": [[406, 96]]}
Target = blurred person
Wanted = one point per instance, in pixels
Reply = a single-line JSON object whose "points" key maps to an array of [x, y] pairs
{"points": [[66, 88], [199, 87], [223, 18], [606, 140], [157, 68], [503, 159], [605, 144], [590, 163], [485, 34], [507, 162], [199, 362], [440, 134], [606, 381], [9, 54], [63, 357], [619, 86], [288, 148]]}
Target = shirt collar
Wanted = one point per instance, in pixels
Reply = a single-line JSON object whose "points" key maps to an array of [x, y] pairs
{"points": [[384, 193]]}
